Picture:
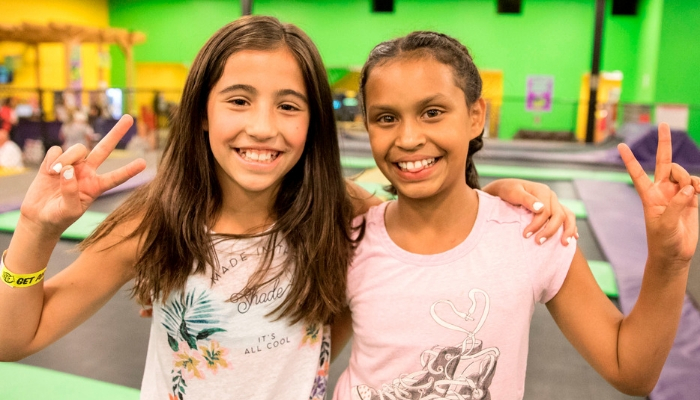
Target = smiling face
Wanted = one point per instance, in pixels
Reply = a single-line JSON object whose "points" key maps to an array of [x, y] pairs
{"points": [[420, 126], [258, 119]]}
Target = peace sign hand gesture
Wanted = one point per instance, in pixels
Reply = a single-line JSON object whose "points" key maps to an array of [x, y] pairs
{"points": [[67, 182], [670, 204]]}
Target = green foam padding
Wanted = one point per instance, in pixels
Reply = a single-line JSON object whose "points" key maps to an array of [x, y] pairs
{"points": [[80, 229], [26, 382], [550, 174], [358, 162], [376, 189], [576, 206], [506, 171], [605, 276]]}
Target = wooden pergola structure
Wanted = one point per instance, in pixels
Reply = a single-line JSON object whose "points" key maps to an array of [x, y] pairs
{"points": [[71, 35]]}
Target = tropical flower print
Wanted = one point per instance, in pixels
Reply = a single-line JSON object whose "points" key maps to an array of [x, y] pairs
{"points": [[190, 321], [188, 362], [318, 391], [311, 335], [215, 357]]}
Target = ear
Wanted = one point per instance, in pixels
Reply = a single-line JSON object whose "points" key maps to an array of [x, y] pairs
{"points": [[477, 118], [205, 124]]}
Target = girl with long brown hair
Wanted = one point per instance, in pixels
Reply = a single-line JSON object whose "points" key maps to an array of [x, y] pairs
{"points": [[241, 242]]}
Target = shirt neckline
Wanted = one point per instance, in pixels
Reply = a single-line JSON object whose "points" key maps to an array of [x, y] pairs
{"points": [[455, 253]]}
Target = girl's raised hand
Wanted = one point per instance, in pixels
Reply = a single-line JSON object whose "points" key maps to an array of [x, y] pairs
{"points": [[670, 203], [67, 182]]}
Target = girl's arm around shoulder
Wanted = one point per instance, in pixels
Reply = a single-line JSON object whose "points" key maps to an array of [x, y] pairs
{"points": [[34, 317]]}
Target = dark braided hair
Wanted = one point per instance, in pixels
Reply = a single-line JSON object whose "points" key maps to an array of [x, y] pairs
{"points": [[446, 50]]}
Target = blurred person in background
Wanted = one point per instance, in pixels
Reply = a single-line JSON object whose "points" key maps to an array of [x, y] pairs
{"points": [[8, 115], [10, 153], [77, 131]]}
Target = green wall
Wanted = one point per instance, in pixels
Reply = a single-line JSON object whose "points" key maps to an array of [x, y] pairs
{"points": [[679, 61], [552, 37]]}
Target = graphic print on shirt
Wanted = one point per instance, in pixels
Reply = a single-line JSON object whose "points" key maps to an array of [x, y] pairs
{"points": [[318, 390], [190, 324], [463, 371]]}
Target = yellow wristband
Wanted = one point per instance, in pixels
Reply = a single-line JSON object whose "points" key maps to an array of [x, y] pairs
{"points": [[19, 280]]}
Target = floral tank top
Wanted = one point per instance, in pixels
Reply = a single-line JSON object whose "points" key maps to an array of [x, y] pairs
{"points": [[207, 343]]}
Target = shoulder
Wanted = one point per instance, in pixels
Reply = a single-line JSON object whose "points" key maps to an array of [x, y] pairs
{"points": [[495, 210]]}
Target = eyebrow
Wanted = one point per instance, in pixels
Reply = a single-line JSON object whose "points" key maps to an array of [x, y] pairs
{"points": [[254, 91], [420, 105]]}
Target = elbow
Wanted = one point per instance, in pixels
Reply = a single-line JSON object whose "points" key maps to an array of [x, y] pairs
{"points": [[640, 387], [12, 352], [11, 356]]}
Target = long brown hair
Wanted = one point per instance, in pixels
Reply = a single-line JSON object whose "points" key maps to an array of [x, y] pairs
{"points": [[312, 207], [446, 50]]}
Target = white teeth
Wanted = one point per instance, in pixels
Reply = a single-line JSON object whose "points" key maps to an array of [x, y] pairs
{"points": [[415, 166], [258, 155]]}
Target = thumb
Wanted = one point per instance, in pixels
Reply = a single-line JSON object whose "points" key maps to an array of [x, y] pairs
{"points": [[678, 204]]}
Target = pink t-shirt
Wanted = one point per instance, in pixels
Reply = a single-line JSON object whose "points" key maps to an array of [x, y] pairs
{"points": [[450, 324]]}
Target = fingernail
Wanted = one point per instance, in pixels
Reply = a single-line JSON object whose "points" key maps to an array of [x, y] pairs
{"points": [[688, 190], [68, 174], [57, 167], [537, 206], [568, 240], [576, 234], [542, 240], [527, 235]]}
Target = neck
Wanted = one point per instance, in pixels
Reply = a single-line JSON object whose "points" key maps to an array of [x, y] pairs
{"points": [[245, 212], [433, 225]]}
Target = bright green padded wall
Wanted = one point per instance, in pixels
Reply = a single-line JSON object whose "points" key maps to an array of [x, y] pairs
{"points": [[679, 60], [549, 37], [175, 29]]}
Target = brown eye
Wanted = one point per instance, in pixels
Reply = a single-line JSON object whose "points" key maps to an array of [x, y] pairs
{"points": [[386, 119], [432, 113], [238, 102]]}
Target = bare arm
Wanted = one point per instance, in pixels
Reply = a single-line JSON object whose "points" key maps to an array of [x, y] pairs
{"points": [[65, 186], [629, 351], [341, 332]]}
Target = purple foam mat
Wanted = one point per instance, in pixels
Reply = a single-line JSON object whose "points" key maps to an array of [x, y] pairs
{"points": [[642, 140], [622, 238]]}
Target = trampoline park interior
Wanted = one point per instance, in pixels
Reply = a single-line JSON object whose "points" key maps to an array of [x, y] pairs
{"points": [[536, 59]]}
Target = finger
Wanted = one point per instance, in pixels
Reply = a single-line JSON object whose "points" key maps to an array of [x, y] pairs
{"points": [[50, 160], [640, 179], [569, 234], [552, 226], [664, 154], [532, 203], [696, 183], [537, 223], [678, 204], [69, 191], [679, 175], [117, 177], [72, 156], [105, 146]]}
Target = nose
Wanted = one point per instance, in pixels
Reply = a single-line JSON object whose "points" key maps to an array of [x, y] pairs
{"points": [[410, 136], [261, 124]]}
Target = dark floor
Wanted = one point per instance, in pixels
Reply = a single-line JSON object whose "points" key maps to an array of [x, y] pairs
{"points": [[100, 349]]}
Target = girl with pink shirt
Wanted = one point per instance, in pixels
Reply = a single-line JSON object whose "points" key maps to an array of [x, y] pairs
{"points": [[443, 284]]}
